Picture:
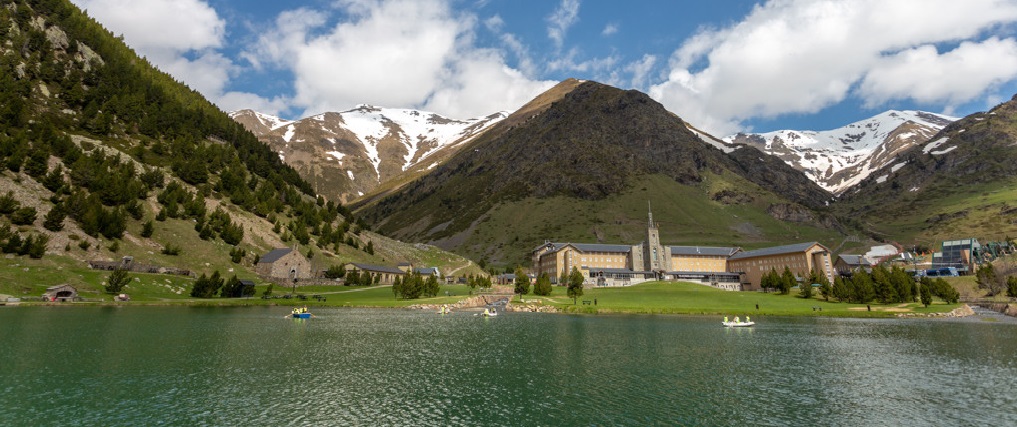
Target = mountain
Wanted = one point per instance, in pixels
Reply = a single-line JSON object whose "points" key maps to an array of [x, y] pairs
{"points": [[103, 156], [961, 183], [579, 163], [347, 154], [840, 158]]}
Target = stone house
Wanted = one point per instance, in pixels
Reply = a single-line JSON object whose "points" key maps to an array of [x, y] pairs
{"points": [[283, 263]]}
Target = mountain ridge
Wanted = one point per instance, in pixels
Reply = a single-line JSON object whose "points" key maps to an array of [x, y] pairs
{"points": [[838, 159], [350, 153], [585, 143]]}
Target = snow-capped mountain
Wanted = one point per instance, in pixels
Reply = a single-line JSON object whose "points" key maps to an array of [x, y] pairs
{"points": [[840, 158], [347, 154]]}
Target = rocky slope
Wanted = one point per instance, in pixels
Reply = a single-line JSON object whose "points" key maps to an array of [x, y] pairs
{"points": [[345, 155], [840, 158]]}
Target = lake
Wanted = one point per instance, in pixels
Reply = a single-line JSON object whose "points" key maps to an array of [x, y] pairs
{"points": [[233, 366]]}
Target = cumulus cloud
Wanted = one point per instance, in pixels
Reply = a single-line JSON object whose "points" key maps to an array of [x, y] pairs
{"points": [[798, 56], [926, 75], [164, 31], [396, 53], [181, 38], [561, 20]]}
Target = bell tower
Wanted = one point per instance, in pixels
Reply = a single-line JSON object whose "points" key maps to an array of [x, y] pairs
{"points": [[653, 254]]}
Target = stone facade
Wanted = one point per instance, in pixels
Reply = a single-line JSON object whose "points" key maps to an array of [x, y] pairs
{"points": [[283, 263]]}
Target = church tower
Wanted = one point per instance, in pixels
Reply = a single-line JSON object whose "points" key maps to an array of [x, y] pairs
{"points": [[655, 258]]}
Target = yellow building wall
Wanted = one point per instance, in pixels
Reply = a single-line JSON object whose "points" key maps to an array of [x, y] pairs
{"points": [[698, 263], [801, 264]]}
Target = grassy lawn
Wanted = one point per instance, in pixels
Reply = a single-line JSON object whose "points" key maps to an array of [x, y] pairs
{"points": [[29, 278], [688, 298]]}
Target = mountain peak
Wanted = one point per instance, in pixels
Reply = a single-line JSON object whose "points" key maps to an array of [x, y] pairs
{"points": [[839, 158]]}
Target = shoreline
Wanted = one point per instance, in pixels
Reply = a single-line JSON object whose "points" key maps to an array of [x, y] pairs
{"points": [[964, 310]]}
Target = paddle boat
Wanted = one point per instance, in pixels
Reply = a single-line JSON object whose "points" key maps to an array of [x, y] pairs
{"points": [[444, 309], [301, 313], [737, 323], [488, 312]]}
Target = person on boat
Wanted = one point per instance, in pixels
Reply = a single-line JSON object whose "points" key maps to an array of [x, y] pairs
{"points": [[725, 319], [487, 312], [736, 319], [747, 319]]}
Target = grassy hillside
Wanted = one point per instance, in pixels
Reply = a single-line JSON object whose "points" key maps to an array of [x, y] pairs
{"points": [[687, 215], [580, 163], [964, 187], [97, 146]]}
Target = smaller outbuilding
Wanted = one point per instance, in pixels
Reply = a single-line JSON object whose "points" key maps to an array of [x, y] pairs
{"points": [[61, 293], [846, 264], [283, 263]]}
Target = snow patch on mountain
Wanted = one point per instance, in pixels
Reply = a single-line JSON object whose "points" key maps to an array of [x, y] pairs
{"points": [[840, 158], [932, 145], [391, 140]]}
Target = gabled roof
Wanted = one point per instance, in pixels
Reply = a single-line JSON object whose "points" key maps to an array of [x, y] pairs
{"points": [[776, 250], [274, 255], [854, 259], [427, 270], [704, 250], [246, 282], [378, 268]]}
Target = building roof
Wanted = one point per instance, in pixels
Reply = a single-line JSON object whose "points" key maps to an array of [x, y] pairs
{"points": [[274, 255], [587, 247], [427, 270], [776, 250], [854, 259], [378, 268], [704, 250], [55, 287], [246, 282], [703, 273]]}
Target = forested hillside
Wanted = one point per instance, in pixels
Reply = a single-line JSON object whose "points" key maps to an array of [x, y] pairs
{"points": [[103, 155]]}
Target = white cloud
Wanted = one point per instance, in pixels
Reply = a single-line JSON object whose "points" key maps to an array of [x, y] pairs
{"points": [[395, 53], [234, 101], [641, 69], [164, 31], [151, 26], [926, 75], [609, 29], [798, 56], [181, 38], [561, 20]]}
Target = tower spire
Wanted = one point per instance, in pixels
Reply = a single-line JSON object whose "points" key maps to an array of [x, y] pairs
{"points": [[649, 209]]}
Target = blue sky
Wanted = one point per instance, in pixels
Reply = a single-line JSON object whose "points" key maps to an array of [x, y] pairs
{"points": [[724, 66]]}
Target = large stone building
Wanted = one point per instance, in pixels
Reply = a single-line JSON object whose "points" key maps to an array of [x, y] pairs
{"points": [[723, 267], [800, 258]]}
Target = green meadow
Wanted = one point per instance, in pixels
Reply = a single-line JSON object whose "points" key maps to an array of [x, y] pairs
{"points": [[690, 298], [28, 279]]}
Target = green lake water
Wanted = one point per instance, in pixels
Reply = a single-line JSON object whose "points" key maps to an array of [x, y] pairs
{"points": [[244, 366]]}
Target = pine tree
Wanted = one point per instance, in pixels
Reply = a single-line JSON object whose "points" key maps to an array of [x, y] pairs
{"points": [[543, 285], [522, 282], [55, 218], [116, 281], [575, 282]]}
